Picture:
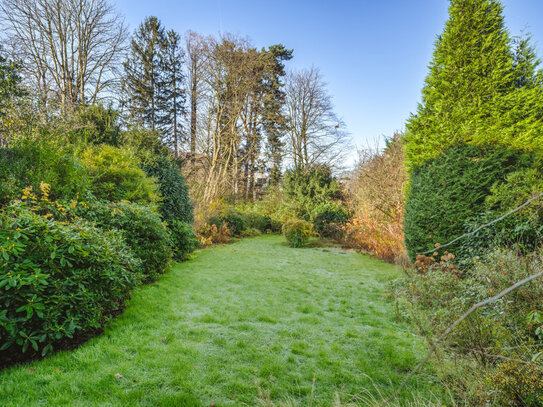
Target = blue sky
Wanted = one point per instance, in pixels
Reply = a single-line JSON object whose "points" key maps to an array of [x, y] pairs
{"points": [[373, 54]]}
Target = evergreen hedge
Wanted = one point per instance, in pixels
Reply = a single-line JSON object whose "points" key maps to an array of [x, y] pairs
{"points": [[450, 189]]}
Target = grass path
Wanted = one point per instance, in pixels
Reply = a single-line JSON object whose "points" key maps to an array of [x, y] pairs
{"points": [[257, 316]]}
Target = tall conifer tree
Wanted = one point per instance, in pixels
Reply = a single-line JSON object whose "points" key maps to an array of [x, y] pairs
{"points": [[274, 121], [482, 100], [470, 73], [143, 73], [172, 94]]}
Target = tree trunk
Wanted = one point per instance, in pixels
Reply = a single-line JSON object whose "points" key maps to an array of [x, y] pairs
{"points": [[193, 107]]}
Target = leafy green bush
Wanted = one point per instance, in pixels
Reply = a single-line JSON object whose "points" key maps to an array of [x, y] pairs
{"points": [[274, 204], [115, 175], [328, 220], [29, 162], [448, 190], [308, 188], [183, 240], [259, 222], [57, 280], [297, 232], [234, 219], [268, 213], [176, 203], [276, 226], [145, 233], [251, 232]]}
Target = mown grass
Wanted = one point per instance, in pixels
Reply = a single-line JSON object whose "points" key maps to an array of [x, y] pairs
{"points": [[253, 323]]}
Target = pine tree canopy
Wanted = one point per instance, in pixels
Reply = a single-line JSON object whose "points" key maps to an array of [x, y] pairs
{"points": [[481, 88]]}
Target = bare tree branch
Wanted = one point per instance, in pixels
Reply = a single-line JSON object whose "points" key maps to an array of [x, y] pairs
{"points": [[70, 49]]}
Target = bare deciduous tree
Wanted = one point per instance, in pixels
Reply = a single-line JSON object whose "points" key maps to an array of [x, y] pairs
{"points": [[377, 183], [227, 83], [315, 134], [70, 49]]}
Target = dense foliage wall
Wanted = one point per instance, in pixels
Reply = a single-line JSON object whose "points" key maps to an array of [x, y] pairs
{"points": [[450, 189], [482, 98]]}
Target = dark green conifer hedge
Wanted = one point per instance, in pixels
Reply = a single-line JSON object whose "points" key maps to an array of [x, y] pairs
{"points": [[450, 189]]}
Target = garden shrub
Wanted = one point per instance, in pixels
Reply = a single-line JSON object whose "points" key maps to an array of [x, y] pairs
{"points": [[57, 280], [448, 190], [266, 214], [520, 232], [29, 162], [251, 232], [297, 232], [210, 234], [507, 329], [276, 226], [176, 203], [519, 384], [115, 175], [307, 188], [259, 222], [235, 221], [274, 204], [145, 233], [328, 220], [183, 240]]}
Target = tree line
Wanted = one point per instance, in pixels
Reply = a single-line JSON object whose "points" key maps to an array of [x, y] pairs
{"points": [[230, 109]]}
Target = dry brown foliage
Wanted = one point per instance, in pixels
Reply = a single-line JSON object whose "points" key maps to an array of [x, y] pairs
{"points": [[381, 239], [211, 234], [376, 198]]}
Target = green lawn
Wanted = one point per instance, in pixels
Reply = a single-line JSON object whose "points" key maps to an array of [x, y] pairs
{"points": [[255, 317]]}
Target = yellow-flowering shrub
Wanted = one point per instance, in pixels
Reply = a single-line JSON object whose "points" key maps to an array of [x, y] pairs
{"points": [[519, 384]]}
